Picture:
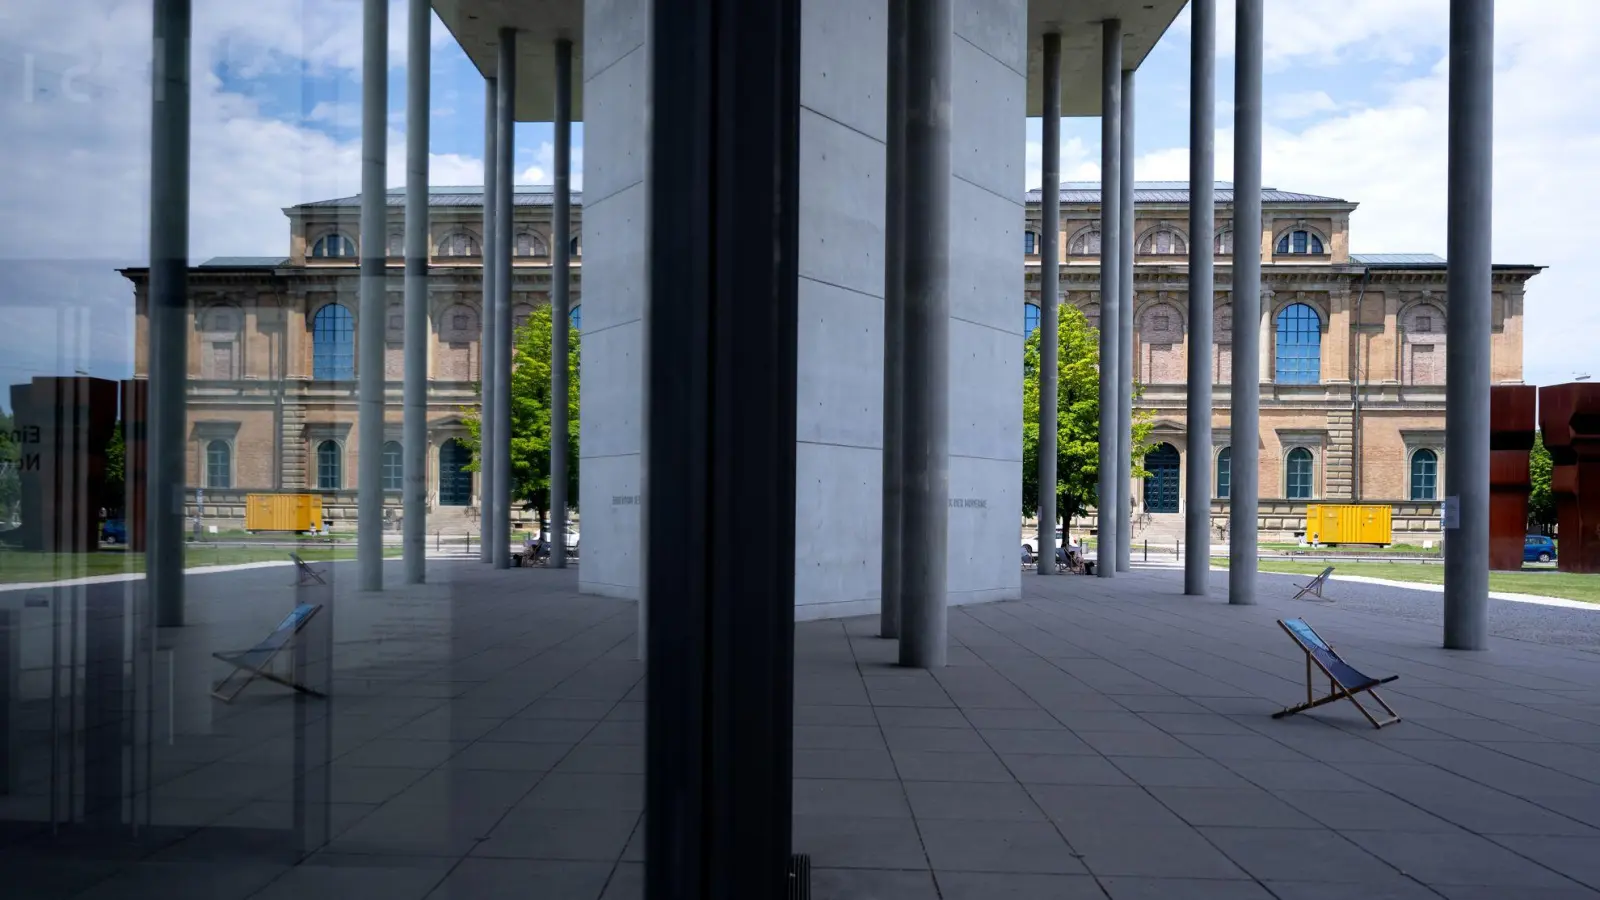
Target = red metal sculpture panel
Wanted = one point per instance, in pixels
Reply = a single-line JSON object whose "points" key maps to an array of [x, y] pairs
{"points": [[1512, 409], [1569, 419]]}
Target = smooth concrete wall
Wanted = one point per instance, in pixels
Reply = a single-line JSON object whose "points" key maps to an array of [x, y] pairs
{"points": [[989, 59], [839, 427], [616, 290]]}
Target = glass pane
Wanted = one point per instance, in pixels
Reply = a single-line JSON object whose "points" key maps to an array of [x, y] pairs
{"points": [[1299, 345], [1224, 472], [1030, 319], [1299, 479]]}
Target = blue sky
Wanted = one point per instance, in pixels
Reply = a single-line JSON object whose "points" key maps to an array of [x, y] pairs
{"points": [[1355, 100]]}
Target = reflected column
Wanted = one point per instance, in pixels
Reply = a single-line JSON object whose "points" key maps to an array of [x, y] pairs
{"points": [[505, 125], [1111, 496], [487, 341], [374, 275], [1244, 425], [1049, 303], [1202, 293], [560, 304], [418, 70]]}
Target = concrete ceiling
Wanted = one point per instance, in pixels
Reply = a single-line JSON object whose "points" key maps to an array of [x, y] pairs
{"points": [[1078, 21], [476, 23]]}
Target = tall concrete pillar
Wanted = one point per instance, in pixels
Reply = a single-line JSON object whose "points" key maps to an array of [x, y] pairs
{"points": [[927, 324], [1125, 351], [487, 342], [1202, 291], [1245, 384], [1049, 302], [560, 303], [414, 522], [169, 308], [374, 275], [1111, 494], [894, 324], [1467, 373], [505, 152]]}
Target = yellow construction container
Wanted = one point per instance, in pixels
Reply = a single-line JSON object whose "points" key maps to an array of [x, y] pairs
{"points": [[282, 512], [1343, 523]]}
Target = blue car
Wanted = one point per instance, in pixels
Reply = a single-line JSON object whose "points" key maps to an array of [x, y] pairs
{"points": [[1538, 548], [114, 531]]}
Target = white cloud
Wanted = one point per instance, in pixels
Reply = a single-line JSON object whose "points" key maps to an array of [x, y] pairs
{"points": [[1299, 105]]}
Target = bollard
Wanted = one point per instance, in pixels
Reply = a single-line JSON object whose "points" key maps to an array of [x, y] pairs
{"points": [[1177, 548], [1146, 549]]}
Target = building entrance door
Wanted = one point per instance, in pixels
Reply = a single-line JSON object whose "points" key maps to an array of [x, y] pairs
{"points": [[1161, 486]]}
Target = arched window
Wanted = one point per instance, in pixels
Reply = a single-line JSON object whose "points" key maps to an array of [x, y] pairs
{"points": [[1161, 487], [333, 344], [576, 317], [397, 244], [1160, 345], [1424, 475], [1030, 243], [393, 467], [1224, 242], [1163, 242], [1298, 474], [575, 246], [333, 246], [1424, 329], [529, 243], [459, 243], [1225, 473], [330, 466], [455, 481], [1299, 356], [1300, 242], [1085, 242], [219, 465], [220, 328], [1030, 319]]}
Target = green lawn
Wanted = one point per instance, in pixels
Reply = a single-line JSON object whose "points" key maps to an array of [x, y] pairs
{"points": [[17, 566], [1356, 549], [1543, 582]]}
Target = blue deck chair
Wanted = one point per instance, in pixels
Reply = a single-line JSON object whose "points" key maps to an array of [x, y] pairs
{"points": [[1344, 680], [248, 665]]}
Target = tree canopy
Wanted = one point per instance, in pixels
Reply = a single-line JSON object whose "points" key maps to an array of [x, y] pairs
{"points": [[530, 414], [1078, 418], [1541, 505]]}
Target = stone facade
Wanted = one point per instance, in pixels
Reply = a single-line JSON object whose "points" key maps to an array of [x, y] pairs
{"points": [[1361, 340]]}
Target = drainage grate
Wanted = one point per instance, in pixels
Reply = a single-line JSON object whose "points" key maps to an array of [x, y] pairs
{"points": [[800, 876]]}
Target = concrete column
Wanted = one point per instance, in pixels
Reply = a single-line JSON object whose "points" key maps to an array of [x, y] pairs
{"points": [[894, 325], [1049, 302], [1202, 292], [1245, 384], [1111, 495], [1467, 350], [927, 328], [1125, 304], [486, 342], [414, 522], [374, 275], [169, 308], [1264, 350], [505, 125], [560, 303]]}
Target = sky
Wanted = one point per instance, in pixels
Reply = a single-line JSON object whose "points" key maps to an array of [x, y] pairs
{"points": [[1355, 100]]}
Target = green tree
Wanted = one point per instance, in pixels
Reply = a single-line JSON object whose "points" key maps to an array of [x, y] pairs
{"points": [[1078, 418], [530, 415], [1541, 506], [115, 496], [10, 477]]}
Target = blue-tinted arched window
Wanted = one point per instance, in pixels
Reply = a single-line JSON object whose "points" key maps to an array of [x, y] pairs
{"points": [[1300, 242], [1030, 319], [330, 466], [1298, 470], [1424, 475], [219, 465], [1225, 473], [333, 343], [455, 481], [576, 317], [393, 467], [1299, 356], [333, 246]]}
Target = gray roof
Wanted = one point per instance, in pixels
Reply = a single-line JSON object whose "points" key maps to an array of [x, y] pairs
{"points": [[455, 195], [244, 262], [1173, 192], [1397, 259]]}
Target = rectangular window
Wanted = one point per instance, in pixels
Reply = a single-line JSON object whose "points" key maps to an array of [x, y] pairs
{"points": [[1300, 238], [222, 359]]}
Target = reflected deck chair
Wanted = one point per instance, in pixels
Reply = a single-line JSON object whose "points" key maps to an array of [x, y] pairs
{"points": [[1314, 587], [1344, 680], [304, 574], [248, 665]]}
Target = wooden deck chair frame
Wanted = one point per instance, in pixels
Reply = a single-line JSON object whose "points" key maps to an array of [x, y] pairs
{"points": [[247, 670], [1315, 586], [1336, 690], [304, 574]]}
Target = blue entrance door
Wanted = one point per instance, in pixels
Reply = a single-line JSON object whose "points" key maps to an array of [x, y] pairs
{"points": [[1161, 487]]}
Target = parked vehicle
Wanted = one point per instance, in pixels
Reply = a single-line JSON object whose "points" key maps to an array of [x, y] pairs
{"points": [[1538, 548], [1027, 542], [114, 531]]}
